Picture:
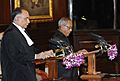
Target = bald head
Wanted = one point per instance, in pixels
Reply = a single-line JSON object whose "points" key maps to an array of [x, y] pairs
{"points": [[65, 25], [63, 21]]}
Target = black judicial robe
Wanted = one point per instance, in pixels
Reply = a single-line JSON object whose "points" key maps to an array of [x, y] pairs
{"points": [[16, 57], [59, 40]]}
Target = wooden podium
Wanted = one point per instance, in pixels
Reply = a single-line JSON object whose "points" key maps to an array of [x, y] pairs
{"points": [[51, 66], [92, 74]]}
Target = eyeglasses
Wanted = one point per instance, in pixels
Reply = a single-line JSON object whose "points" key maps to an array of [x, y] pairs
{"points": [[69, 27]]}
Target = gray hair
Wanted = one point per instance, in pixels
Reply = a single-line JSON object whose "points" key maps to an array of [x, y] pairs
{"points": [[63, 21], [16, 11]]}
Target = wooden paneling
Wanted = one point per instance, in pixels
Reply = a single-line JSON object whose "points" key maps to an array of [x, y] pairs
{"points": [[4, 11], [40, 32], [60, 9], [82, 39]]}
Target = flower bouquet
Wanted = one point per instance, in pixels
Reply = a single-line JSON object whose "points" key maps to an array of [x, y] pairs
{"points": [[73, 59], [112, 51], [76, 59]]}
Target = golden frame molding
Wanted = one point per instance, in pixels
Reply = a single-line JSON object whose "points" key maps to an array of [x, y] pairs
{"points": [[39, 17]]}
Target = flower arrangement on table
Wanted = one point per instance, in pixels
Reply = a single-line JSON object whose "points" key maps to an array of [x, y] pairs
{"points": [[73, 60], [76, 59], [112, 51]]}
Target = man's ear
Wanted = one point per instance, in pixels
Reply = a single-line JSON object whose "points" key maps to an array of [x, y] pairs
{"points": [[62, 27], [17, 18]]}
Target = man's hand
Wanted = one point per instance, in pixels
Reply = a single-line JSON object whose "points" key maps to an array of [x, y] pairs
{"points": [[45, 54], [84, 51]]}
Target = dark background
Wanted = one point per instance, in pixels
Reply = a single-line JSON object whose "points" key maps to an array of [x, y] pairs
{"points": [[99, 13]]}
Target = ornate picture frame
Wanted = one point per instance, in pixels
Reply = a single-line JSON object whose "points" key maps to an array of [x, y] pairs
{"points": [[39, 10]]}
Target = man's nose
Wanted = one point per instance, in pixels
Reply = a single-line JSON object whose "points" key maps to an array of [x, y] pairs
{"points": [[28, 20]]}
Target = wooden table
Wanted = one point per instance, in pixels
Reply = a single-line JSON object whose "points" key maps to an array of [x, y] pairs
{"points": [[92, 75], [50, 65]]}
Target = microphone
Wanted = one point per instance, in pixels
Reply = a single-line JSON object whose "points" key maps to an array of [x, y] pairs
{"points": [[61, 45], [60, 48], [102, 43], [58, 42], [95, 36]]}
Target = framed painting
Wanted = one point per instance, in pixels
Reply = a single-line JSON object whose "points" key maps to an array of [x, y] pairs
{"points": [[39, 10]]}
